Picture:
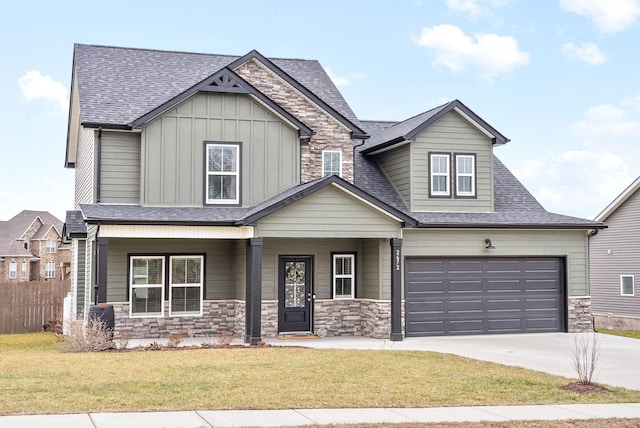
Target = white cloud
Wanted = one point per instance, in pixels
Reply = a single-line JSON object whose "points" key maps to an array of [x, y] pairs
{"points": [[586, 52], [475, 9], [34, 86], [343, 80], [583, 181], [610, 16], [491, 54]]}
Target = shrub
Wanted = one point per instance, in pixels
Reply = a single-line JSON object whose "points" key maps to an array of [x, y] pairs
{"points": [[175, 340], [225, 338], [586, 353], [91, 336]]}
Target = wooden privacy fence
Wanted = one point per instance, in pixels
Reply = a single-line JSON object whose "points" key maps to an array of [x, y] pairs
{"points": [[26, 306]]}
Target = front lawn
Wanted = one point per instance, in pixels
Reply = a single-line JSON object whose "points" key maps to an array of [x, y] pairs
{"points": [[634, 334], [36, 377]]}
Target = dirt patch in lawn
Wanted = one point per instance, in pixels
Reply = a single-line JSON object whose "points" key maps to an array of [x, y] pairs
{"points": [[586, 388]]}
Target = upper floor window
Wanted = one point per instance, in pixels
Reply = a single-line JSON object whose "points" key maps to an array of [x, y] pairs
{"points": [[24, 269], [331, 163], [626, 285], [465, 175], [440, 177], [50, 247], [50, 269], [223, 173], [344, 276], [13, 269]]}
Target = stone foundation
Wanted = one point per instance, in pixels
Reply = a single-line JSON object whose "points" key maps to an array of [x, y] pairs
{"points": [[580, 319], [616, 322], [353, 317]]}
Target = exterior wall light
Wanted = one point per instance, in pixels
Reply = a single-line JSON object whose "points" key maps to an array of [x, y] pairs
{"points": [[488, 245]]}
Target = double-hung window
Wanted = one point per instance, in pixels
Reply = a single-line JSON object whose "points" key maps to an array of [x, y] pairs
{"points": [[440, 177], [185, 285], [147, 285], [223, 173], [13, 269], [50, 247], [344, 276], [465, 175], [331, 163], [627, 285], [23, 271], [50, 269]]}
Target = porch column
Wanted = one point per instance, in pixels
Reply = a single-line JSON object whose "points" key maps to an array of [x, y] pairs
{"points": [[396, 290], [102, 246], [253, 292]]}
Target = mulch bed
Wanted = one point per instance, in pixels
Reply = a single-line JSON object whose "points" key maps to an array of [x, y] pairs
{"points": [[586, 388]]}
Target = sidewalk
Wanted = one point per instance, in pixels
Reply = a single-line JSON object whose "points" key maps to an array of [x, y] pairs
{"points": [[301, 417]]}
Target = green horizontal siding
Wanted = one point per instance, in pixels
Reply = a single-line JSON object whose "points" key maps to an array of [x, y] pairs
{"points": [[328, 213], [571, 244], [396, 165]]}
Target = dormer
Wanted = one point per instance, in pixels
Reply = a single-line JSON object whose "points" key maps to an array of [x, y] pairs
{"points": [[440, 160]]}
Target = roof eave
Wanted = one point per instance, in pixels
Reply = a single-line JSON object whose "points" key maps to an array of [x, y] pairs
{"points": [[539, 226]]}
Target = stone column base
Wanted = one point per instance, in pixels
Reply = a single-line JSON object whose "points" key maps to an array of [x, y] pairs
{"points": [[579, 317]]}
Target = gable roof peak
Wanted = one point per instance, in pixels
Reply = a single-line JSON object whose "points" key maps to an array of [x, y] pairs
{"points": [[619, 200]]}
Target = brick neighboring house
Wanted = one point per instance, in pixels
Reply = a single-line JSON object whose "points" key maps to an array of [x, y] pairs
{"points": [[31, 248]]}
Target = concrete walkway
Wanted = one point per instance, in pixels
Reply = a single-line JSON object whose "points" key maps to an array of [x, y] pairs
{"points": [[302, 417]]}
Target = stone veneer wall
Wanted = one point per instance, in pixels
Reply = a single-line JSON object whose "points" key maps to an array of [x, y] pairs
{"points": [[218, 316], [329, 133], [579, 314]]}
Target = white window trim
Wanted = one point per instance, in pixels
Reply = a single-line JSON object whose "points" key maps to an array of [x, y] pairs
{"points": [[50, 247], [236, 200], [432, 174], [339, 174], [172, 285], [336, 276], [472, 175], [23, 269], [13, 269], [50, 273], [132, 286], [633, 285]]}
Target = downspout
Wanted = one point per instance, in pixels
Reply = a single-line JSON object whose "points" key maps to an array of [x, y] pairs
{"points": [[99, 165], [95, 266]]}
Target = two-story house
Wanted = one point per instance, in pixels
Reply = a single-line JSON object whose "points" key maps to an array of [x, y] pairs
{"points": [[31, 248], [242, 194]]}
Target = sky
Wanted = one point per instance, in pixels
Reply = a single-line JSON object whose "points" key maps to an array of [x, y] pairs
{"points": [[559, 78]]}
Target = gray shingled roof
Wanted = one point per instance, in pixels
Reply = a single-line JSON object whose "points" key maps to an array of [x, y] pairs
{"points": [[74, 226], [118, 85], [14, 229], [136, 214]]}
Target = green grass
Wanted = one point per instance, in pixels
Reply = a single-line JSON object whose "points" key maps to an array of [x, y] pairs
{"points": [[634, 334], [36, 377]]}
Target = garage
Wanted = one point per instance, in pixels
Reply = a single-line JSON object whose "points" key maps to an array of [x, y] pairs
{"points": [[483, 295]]}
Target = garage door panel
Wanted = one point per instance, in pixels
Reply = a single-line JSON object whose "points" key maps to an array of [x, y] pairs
{"points": [[483, 296]]}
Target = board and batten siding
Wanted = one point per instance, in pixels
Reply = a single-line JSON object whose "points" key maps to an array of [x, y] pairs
{"points": [[396, 165], [451, 134], [84, 169], [328, 213], [219, 258], [173, 149], [120, 168], [570, 244], [613, 252], [79, 254]]}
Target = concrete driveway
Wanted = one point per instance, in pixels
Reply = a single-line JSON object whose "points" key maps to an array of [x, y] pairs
{"points": [[618, 364]]}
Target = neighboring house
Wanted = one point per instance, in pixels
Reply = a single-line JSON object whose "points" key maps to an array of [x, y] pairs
{"points": [[242, 194], [614, 257], [31, 248]]}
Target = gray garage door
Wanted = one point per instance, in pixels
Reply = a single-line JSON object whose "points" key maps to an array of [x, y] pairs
{"points": [[456, 296]]}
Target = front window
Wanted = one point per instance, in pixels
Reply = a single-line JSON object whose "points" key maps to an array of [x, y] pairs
{"points": [[465, 175], [50, 247], [50, 269], [344, 276], [24, 269], [13, 269], [185, 279], [331, 163], [626, 285], [147, 286], [440, 175], [223, 178]]}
